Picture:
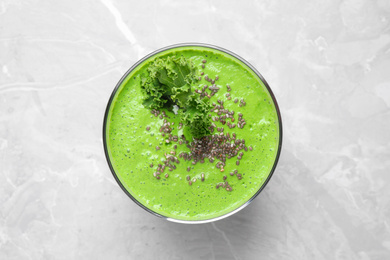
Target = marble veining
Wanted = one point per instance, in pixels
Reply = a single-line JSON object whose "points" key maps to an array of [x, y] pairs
{"points": [[327, 63]]}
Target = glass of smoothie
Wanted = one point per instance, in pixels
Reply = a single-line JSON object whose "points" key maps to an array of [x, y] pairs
{"points": [[181, 164]]}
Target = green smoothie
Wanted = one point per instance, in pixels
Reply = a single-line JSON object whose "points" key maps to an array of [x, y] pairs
{"points": [[137, 144]]}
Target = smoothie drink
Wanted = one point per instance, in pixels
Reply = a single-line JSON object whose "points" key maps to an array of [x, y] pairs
{"points": [[137, 144]]}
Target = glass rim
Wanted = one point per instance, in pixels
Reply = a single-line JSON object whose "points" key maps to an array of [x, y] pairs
{"points": [[112, 98]]}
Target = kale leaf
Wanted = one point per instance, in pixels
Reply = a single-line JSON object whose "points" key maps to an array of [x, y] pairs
{"points": [[169, 82]]}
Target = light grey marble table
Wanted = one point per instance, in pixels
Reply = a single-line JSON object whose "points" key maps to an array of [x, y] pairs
{"points": [[328, 63]]}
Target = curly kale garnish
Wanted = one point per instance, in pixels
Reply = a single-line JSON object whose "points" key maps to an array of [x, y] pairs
{"points": [[169, 83]]}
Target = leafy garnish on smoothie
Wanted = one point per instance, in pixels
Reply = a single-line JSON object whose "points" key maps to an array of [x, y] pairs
{"points": [[169, 83]]}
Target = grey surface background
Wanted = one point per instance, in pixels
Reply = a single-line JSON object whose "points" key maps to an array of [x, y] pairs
{"points": [[327, 63]]}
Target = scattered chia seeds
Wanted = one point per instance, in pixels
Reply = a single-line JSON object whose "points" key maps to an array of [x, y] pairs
{"points": [[220, 145]]}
